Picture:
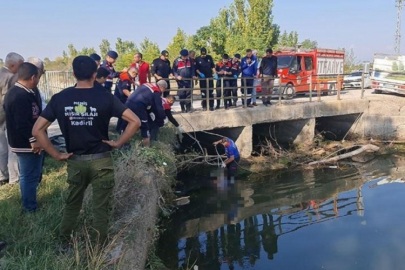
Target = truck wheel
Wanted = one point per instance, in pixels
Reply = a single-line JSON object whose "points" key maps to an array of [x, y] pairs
{"points": [[332, 90], [289, 91]]}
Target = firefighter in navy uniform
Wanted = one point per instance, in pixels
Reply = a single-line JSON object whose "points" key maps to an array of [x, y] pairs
{"points": [[224, 70], [184, 72], [205, 68], [108, 64], [146, 103], [123, 90], [236, 70]]}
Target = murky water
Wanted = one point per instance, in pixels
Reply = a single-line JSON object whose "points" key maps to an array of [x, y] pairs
{"points": [[352, 218]]}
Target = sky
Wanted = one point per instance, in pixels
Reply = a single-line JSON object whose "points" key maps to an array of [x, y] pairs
{"points": [[44, 28]]}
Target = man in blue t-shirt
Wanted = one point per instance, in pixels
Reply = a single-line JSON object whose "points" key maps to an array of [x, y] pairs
{"points": [[232, 153]]}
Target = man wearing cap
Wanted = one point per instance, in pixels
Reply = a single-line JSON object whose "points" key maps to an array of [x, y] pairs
{"points": [[224, 71], [8, 160], [184, 72], [249, 70], [268, 72], [96, 58], [236, 70], [108, 65], [143, 69], [162, 70], [146, 103], [101, 77], [205, 68]]}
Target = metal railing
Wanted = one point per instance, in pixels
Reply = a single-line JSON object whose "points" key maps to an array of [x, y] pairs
{"points": [[54, 81]]}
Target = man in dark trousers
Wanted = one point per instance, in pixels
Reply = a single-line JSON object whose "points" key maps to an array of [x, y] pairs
{"points": [[224, 71], [146, 103], [236, 70], [84, 122], [184, 72], [123, 90], [249, 70], [109, 65], [268, 72], [23, 107], [205, 68], [162, 70]]}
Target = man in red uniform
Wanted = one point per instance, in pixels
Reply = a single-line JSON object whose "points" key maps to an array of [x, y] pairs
{"points": [[143, 69], [224, 70]]}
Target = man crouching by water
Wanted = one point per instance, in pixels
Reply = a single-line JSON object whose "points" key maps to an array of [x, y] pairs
{"points": [[233, 157], [84, 121]]}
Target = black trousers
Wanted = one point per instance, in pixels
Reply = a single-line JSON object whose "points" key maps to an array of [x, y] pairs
{"points": [[205, 89], [247, 85], [227, 93], [234, 85]]}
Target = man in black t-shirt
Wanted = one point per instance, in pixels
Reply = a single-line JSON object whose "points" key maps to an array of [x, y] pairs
{"points": [[162, 70], [84, 122], [205, 68]]}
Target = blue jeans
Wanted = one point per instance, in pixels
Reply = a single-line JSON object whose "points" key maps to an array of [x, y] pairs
{"points": [[30, 176]]}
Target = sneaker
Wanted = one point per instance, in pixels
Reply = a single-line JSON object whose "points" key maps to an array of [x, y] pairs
{"points": [[204, 109], [254, 104], [250, 106], [212, 109]]}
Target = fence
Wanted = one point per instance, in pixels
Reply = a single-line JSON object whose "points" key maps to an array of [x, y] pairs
{"points": [[55, 81]]}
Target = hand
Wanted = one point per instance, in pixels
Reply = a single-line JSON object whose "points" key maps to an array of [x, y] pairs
{"points": [[36, 148], [202, 75], [195, 77], [63, 156], [223, 165], [235, 76], [215, 143], [165, 121], [152, 116], [179, 78], [158, 77], [248, 61], [221, 72], [113, 144], [180, 129], [171, 76]]}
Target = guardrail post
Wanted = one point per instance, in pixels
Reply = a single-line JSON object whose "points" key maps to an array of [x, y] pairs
{"points": [[362, 84], [192, 93], [318, 89], [338, 87], [207, 93], [222, 91], [244, 92], [280, 93], [310, 88]]}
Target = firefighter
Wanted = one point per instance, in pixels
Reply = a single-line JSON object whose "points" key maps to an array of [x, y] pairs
{"points": [[233, 156], [184, 72], [236, 70], [146, 103], [123, 90], [108, 64], [224, 70]]}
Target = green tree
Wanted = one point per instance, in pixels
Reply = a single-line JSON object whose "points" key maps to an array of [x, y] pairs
{"points": [[401, 66], [125, 47], [202, 38], [309, 44], [288, 39], [149, 50], [104, 47], [178, 43], [395, 66]]}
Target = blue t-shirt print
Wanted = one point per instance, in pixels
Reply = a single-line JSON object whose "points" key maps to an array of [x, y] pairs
{"points": [[232, 150]]}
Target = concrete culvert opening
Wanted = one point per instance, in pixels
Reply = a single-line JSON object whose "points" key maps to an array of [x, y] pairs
{"points": [[336, 128]]}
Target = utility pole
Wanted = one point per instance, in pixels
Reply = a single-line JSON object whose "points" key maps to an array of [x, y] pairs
{"points": [[398, 33]]}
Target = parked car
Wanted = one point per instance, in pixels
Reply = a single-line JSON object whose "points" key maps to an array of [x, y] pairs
{"points": [[354, 80]]}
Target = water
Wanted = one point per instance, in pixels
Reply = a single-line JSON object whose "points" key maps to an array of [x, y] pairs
{"points": [[352, 218]]}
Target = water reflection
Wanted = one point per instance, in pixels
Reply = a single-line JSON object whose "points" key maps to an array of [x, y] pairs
{"points": [[235, 225]]}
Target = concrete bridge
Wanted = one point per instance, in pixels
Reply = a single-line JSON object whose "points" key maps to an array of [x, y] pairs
{"points": [[376, 116]]}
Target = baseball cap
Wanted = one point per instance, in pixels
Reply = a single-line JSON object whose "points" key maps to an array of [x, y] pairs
{"points": [[95, 57], [269, 51], [184, 52], [237, 55], [203, 51], [165, 53], [112, 54], [225, 56]]}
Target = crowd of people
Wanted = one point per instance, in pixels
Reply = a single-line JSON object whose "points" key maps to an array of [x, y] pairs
{"points": [[83, 112]]}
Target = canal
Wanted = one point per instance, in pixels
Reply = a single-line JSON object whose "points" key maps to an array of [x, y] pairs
{"points": [[347, 218]]}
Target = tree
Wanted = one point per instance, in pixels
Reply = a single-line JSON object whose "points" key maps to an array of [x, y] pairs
{"points": [[149, 50], [288, 39], [401, 66], [394, 66], [202, 38], [177, 44], [309, 44], [104, 47], [125, 47]]}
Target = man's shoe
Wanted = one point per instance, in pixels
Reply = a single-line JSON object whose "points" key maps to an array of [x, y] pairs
{"points": [[250, 106], [204, 109], [217, 107], [254, 104], [212, 109]]}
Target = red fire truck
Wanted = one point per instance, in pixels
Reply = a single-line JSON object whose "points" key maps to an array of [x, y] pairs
{"points": [[296, 67]]}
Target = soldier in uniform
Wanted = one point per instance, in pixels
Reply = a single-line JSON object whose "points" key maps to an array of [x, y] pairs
{"points": [[108, 64]]}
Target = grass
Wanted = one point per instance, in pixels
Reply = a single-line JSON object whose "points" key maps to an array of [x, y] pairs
{"points": [[142, 180]]}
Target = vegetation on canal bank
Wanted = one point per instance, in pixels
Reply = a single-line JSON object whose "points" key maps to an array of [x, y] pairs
{"points": [[143, 186]]}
